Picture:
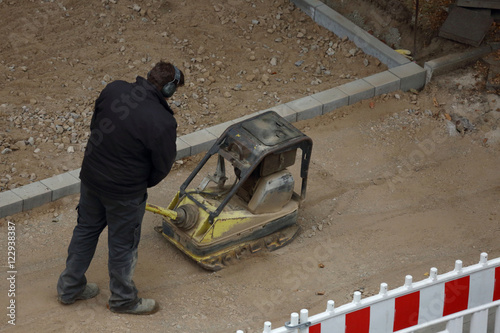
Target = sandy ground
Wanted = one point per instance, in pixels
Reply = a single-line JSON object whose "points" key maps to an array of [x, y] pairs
{"points": [[395, 187], [238, 57]]}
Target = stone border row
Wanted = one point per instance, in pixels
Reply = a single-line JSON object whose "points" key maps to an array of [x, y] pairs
{"points": [[342, 27], [401, 75]]}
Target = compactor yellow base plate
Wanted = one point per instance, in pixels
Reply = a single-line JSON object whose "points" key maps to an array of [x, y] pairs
{"points": [[225, 256]]}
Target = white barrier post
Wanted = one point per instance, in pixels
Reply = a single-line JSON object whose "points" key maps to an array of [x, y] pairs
{"points": [[383, 289], [458, 266], [408, 281], [416, 305], [304, 316], [357, 297], [294, 321], [267, 327], [434, 273], [484, 258], [330, 306]]}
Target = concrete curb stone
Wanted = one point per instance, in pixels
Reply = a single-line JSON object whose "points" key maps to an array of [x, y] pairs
{"points": [[183, 149], [285, 111], [306, 107], [237, 120], [412, 76], [217, 130], [357, 90], [453, 61], [332, 99], [62, 185], [384, 82], [10, 203], [75, 173], [308, 6], [342, 27], [409, 74], [199, 141], [33, 195]]}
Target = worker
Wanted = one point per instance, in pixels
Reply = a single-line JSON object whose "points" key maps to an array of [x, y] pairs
{"points": [[132, 147]]}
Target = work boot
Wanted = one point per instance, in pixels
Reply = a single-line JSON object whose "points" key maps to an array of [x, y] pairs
{"points": [[145, 306], [91, 291]]}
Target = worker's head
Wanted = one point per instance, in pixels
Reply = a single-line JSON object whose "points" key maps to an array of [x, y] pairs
{"points": [[166, 78]]}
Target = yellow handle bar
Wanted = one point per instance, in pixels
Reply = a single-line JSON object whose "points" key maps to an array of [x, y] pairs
{"points": [[171, 214]]}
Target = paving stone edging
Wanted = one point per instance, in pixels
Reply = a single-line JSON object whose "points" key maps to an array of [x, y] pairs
{"points": [[453, 61], [401, 75], [342, 27]]}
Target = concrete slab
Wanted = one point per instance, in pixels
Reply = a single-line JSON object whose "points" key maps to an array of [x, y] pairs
{"points": [[468, 26], [284, 111], [10, 203], [219, 129], [384, 82], [183, 149], [199, 141], [33, 195], [306, 108], [495, 15], [412, 76], [358, 90], [331, 99], [62, 185], [342, 27], [493, 4]]}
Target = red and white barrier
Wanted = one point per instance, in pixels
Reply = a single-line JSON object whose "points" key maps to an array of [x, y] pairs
{"points": [[412, 304]]}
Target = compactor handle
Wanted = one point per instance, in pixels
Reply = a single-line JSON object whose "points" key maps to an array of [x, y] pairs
{"points": [[185, 217], [171, 214]]}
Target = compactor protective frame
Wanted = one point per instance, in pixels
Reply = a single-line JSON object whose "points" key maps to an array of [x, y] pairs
{"points": [[214, 225]]}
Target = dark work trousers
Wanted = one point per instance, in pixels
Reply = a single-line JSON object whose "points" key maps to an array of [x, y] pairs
{"points": [[124, 219]]}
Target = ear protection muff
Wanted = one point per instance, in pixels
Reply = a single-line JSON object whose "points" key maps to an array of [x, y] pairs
{"points": [[169, 89]]}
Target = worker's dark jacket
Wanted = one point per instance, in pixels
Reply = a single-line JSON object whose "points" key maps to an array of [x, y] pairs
{"points": [[132, 141]]}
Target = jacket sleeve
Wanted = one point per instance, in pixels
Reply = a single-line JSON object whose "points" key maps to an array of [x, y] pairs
{"points": [[93, 121], [163, 154]]}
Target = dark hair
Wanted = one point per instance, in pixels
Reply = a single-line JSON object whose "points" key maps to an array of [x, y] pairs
{"points": [[163, 73]]}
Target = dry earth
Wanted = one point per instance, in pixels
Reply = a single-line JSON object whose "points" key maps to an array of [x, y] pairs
{"points": [[394, 186], [238, 56]]}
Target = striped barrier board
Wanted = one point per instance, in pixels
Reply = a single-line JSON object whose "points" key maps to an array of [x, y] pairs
{"points": [[412, 304]]}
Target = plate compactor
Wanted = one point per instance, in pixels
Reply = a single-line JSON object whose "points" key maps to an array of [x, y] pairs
{"points": [[215, 225]]}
